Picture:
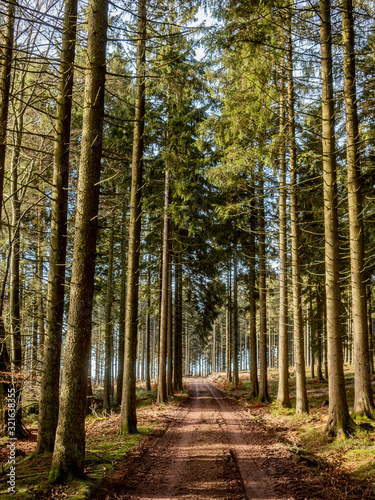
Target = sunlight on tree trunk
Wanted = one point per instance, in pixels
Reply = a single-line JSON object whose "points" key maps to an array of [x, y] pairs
{"points": [[263, 383], [252, 276], [162, 380], [49, 398], [108, 321], [122, 305], [6, 69], [128, 417], [301, 394], [338, 418], [69, 452], [235, 317], [363, 400], [283, 387]]}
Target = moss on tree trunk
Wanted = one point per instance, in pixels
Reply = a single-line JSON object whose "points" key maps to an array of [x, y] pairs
{"points": [[69, 451]]}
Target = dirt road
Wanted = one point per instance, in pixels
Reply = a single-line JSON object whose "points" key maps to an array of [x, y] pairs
{"points": [[212, 449]]}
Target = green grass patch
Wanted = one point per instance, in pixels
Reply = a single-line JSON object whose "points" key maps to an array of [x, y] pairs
{"points": [[104, 449], [102, 454], [112, 448], [280, 410], [145, 398], [313, 438]]}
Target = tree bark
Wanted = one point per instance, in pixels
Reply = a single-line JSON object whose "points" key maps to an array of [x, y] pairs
{"points": [[14, 289], [4, 90], [236, 378], [370, 329], [301, 394], [69, 452], [153, 349], [187, 352], [34, 339], [177, 381], [253, 335], [108, 323], [229, 326], [121, 326], [263, 384], [283, 398], [213, 353], [4, 368], [222, 346], [363, 400], [148, 328], [162, 387], [318, 333], [49, 398], [338, 418], [128, 417], [39, 281], [170, 322]]}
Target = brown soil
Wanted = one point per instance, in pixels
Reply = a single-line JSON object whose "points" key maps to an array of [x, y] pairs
{"points": [[212, 449]]}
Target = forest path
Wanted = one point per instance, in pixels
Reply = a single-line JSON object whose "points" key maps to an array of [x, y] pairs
{"points": [[211, 449]]}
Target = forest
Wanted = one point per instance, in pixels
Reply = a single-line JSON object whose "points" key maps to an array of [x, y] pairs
{"points": [[186, 189]]}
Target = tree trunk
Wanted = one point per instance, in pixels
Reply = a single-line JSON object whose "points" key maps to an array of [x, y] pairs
{"points": [[283, 398], [162, 387], [39, 281], [97, 356], [339, 418], [69, 452], [263, 385], [222, 347], [229, 327], [370, 329], [170, 323], [253, 335], [177, 381], [49, 398], [121, 326], [187, 353], [89, 388], [301, 394], [324, 327], [235, 320], [318, 334], [14, 291], [5, 78], [128, 417], [153, 355], [213, 352], [143, 335], [312, 343], [4, 368], [34, 339], [363, 401], [108, 323], [148, 328], [6, 63]]}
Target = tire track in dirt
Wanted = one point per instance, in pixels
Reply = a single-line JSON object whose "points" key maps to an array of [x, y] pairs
{"points": [[245, 448], [211, 449]]}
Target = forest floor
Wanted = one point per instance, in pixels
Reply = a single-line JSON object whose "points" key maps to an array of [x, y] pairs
{"points": [[346, 466], [216, 443], [217, 447]]}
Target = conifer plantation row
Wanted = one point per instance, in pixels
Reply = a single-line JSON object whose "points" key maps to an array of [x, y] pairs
{"points": [[183, 197]]}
